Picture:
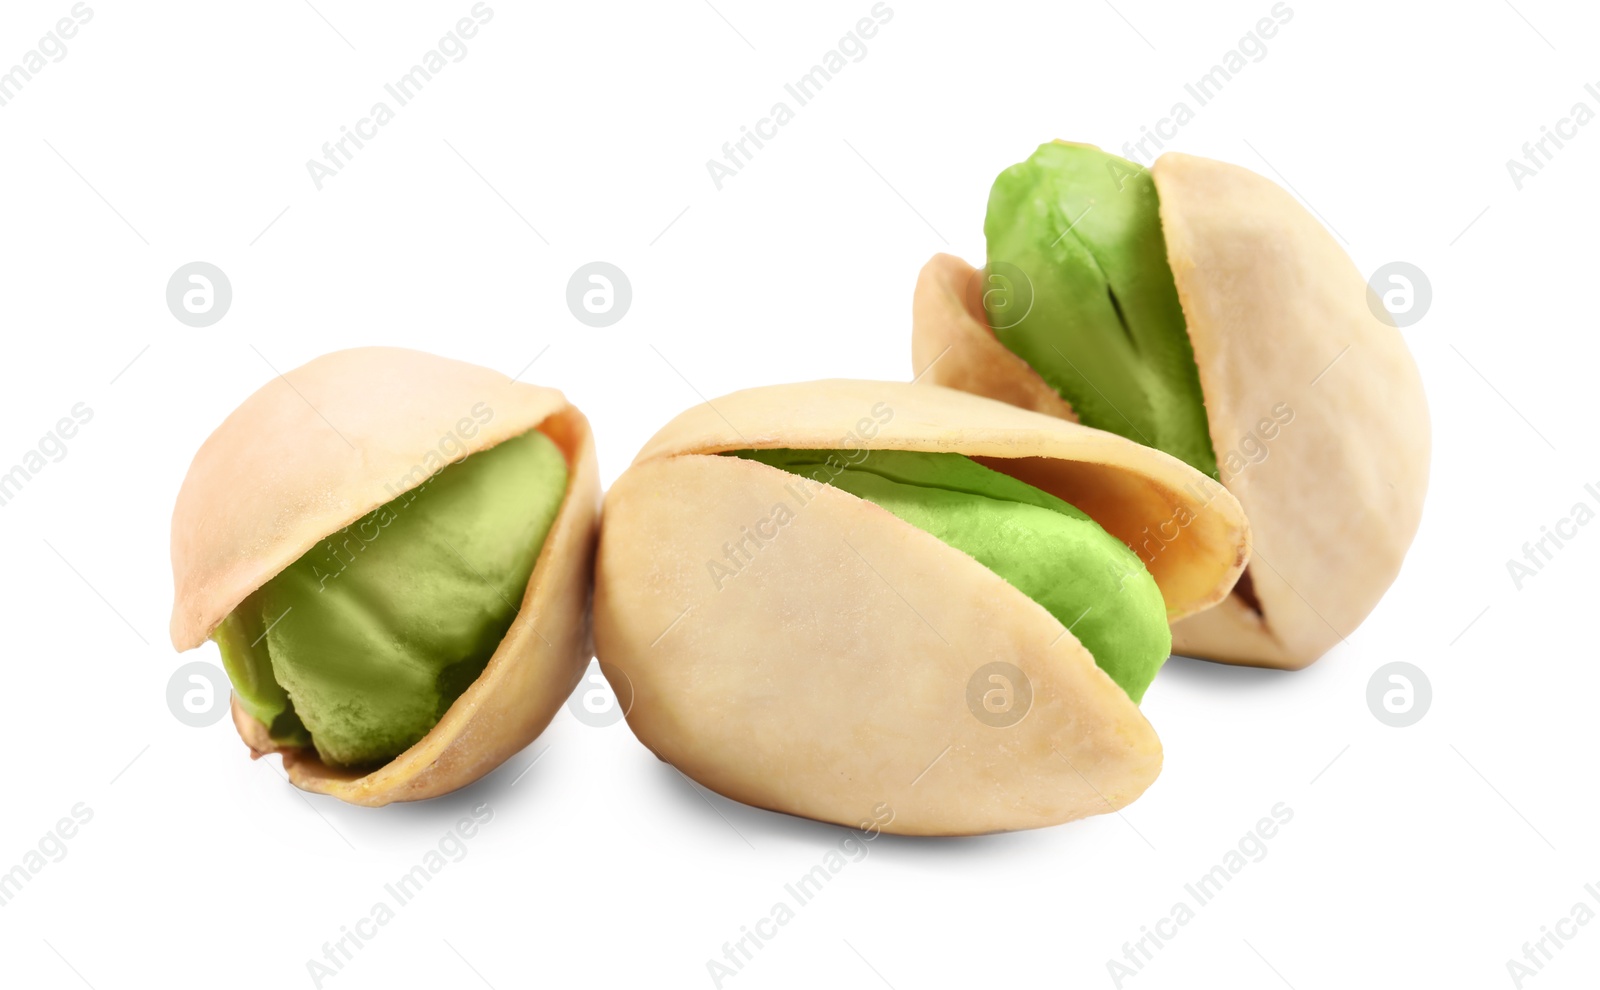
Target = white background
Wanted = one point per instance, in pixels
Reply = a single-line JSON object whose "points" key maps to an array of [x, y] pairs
{"points": [[177, 132]]}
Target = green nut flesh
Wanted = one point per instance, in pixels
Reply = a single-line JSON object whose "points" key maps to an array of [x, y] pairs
{"points": [[1103, 325], [359, 647], [1044, 547]]}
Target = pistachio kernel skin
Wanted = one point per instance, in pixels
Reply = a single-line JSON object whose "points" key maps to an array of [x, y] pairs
{"points": [[359, 647]]}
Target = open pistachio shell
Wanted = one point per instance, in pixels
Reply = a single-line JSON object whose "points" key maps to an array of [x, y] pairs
{"points": [[324, 445], [1278, 318], [830, 676]]}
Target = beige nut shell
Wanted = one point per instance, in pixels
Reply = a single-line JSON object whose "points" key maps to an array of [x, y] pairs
{"points": [[319, 448], [828, 676], [1277, 313]]}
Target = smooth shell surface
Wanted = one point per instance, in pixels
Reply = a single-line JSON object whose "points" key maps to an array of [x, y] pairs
{"points": [[828, 675], [322, 446], [1278, 313], [1279, 319]]}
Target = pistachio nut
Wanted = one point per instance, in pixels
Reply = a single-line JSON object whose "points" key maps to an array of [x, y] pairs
{"points": [[1196, 307], [393, 552], [903, 605]]}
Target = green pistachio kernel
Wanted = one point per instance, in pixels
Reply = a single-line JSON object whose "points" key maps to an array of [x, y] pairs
{"points": [[1044, 547], [359, 647], [1105, 328]]}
